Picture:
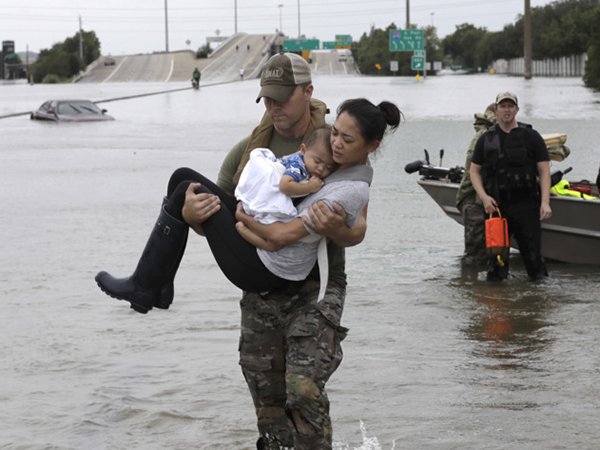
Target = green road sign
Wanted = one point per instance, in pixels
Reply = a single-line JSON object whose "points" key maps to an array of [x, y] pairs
{"points": [[417, 63], [406, 40], [343, 41], [297, 45], [329, 45], [419, 53]]}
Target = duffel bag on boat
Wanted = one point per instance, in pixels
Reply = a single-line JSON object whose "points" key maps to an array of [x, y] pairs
{"points": [[496, 237]]}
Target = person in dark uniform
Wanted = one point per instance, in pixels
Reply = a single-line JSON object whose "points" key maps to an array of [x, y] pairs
{"points": [[507, 162], [196, 77]]}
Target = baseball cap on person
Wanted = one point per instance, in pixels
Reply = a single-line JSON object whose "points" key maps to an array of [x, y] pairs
{"points": [[506, 96], [281, 74]]}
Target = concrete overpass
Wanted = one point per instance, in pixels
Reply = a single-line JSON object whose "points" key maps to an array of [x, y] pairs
{"points": [[249, 52]]}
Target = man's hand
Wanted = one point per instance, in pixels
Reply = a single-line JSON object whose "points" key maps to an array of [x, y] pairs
{"points": [[332, 224], [199, 207], [325, 221], [489, 203], [545, 211]]}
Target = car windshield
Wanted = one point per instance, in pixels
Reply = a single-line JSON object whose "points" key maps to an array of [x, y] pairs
{"points": [[78, 108]]}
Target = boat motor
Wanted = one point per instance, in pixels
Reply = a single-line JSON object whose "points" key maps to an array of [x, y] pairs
{"points": [[431, 172], [557, 176]]}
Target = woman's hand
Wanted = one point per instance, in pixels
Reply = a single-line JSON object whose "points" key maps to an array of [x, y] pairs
{"points": [[255, 239], [241, 215], [277, 234], [197, 208]]}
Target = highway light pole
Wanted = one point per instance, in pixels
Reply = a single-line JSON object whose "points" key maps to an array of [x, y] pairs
{"points": [[527, 40], [166, 27], [80, 40], [280, 23]]}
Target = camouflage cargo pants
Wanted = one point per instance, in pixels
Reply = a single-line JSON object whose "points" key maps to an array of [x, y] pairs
{"points": [[474, 220], [288, 350]]}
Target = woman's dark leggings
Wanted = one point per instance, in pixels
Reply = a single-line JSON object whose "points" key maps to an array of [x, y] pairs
{"points": [[236, 257]]}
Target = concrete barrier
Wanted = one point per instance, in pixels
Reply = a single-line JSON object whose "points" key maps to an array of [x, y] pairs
{"points": [[571, 66]]}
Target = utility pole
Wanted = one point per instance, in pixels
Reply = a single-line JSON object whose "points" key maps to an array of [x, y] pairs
{"points": [[80, 40], [27, 64], [166, 27], [280, 22], [527, 40], [235, 16], [407, 14], [299, 32]]}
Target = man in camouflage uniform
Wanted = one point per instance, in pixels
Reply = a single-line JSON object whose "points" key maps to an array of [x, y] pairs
{"points": [[469, 203], [290, 341]]}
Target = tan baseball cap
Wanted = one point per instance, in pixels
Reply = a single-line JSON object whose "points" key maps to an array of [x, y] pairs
{"points": [[506, 96], [281, 74]]}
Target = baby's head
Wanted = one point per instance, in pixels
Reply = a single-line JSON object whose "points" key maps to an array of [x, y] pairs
{"points": [[317, 153]]}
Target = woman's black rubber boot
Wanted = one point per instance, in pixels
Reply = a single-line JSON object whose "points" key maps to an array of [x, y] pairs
{"points": [[167, 291], [156, 268]]}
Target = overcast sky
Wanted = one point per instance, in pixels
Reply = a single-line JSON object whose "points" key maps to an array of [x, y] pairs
{"points": [[138, 26]]}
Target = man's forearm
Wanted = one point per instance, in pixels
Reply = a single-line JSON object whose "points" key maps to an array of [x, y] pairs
{"points": [[544, 174], [349, 237]]}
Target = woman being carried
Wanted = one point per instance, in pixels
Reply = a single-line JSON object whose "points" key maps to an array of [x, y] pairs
{"points": [[357, 132]]}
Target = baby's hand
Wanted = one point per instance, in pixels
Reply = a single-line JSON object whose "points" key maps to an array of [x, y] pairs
{"points": [[315, 184]]}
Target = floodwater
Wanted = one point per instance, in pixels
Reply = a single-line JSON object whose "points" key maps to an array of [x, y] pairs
{"points": [[434, 359]]}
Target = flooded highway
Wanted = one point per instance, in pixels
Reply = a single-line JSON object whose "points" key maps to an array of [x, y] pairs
{"points": [[434, 359]]}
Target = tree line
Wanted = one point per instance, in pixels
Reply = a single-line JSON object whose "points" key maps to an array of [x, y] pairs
{"points": [[62, 62], [561, 28]]}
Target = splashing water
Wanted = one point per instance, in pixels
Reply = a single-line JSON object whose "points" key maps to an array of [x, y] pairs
{"points": [[369, 443]]}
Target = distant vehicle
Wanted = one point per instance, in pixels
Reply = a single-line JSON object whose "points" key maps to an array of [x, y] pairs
{"points": [[109, 61], [70, 111], [343, 57]]}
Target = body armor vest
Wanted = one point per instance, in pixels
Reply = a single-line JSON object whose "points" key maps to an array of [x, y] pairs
{"points": [[508, 167]]}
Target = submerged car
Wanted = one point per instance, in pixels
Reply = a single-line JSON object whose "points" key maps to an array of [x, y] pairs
{"points": [[70, 111]]}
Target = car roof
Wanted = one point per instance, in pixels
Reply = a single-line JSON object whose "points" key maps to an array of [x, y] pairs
{"points": [[73, 100]]}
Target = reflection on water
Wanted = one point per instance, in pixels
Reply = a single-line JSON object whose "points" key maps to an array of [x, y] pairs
{"points": [[508, 323]]}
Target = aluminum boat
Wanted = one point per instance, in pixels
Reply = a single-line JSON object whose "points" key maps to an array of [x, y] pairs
{"points": [[571, 235]]}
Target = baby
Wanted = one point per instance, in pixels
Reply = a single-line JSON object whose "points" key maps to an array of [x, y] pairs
{"points": [[267, 184]]}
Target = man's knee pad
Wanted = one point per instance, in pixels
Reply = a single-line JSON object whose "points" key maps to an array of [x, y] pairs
{"points": [[306, 406]]}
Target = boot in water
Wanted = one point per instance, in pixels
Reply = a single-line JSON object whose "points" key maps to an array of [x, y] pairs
{"points": [[156, 268]]}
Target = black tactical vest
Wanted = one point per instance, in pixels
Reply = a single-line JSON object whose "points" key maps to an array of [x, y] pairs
{"points": [[511, 167]]}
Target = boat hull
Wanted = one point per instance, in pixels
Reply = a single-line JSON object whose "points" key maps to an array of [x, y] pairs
{"points": [[571, 235]]}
